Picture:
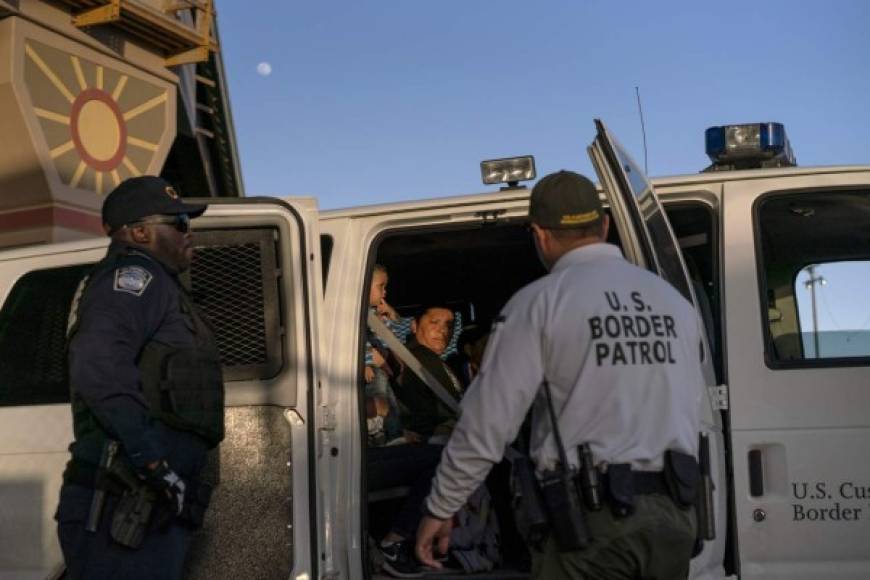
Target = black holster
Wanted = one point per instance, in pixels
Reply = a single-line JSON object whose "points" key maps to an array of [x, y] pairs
{"points": [[619, 487], [683, 478], [135, 508], [132, 516]]}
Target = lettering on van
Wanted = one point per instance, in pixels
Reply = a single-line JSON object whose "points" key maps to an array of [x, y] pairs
{"points": [[634, 334], [823, 501]]}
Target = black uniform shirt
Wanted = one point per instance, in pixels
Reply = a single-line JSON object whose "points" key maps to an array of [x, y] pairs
{"points": [[134, 300]]}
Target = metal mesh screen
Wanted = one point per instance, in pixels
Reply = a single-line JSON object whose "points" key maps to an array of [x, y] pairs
{"points": [[234, 278]]}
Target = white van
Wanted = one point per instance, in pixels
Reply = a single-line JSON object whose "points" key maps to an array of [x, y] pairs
{"points": [[286, 287]]}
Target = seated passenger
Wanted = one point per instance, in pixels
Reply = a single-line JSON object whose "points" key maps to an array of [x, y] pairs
{"points": [[382, 410], [465, 362], [427, 415]]}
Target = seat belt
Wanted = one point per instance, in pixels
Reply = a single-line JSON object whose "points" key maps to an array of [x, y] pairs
{"points": [[400, 350]]}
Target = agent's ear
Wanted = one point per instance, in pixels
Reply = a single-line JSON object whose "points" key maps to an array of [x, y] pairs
{"points": [[140, 234]]}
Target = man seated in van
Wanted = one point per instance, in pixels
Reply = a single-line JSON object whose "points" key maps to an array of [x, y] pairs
{"points": [[427, 415]]}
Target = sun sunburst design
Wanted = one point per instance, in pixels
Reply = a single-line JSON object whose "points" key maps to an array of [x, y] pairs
{"points": [[101, 126]]}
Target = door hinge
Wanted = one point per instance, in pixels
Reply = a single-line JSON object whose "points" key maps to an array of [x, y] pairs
{"points": [[719, 397], [327, 417]]}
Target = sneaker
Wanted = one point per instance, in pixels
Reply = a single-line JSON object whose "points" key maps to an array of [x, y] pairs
{"points": [[399, 560]]}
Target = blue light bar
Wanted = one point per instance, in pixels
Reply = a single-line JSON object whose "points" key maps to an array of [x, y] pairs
{"points": [[748, 146]]}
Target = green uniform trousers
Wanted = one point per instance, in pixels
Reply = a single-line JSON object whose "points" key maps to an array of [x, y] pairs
{"points": [[654, 543]]}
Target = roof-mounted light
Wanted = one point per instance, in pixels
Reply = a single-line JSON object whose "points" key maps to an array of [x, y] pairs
{"points": [[748, 146], [510, 170]]}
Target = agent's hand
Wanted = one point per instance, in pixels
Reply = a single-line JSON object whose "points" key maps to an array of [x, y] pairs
{"points": [[162, 478], [432, 532]]}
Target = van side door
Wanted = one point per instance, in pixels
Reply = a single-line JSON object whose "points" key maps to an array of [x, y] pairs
{"points": [[796, 268], [256, 274], [649, 241]]}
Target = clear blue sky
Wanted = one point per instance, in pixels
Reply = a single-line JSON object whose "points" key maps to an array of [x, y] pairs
{"points": [[373, 101]]}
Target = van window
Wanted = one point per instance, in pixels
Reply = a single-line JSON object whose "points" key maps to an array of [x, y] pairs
{"points": [[815, 263], [33, 321], [833, 312], [695, 228], [326, 245]]}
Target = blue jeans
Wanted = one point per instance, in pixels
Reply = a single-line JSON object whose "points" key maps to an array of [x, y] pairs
{"points": [[399, 465]]}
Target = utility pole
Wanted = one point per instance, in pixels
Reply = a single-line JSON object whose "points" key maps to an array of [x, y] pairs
{"points": [[810, 284]]}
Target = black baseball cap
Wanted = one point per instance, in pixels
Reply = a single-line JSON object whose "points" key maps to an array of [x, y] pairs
{"points": [[139, 197], [565, 200]]}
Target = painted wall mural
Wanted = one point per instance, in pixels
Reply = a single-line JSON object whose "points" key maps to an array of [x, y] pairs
{"points": [[100, 125]]}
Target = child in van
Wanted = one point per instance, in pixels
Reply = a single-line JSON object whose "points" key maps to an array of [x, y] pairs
{"points": [[382, 409]]}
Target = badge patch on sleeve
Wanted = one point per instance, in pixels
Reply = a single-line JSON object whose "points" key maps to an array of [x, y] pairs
{"points": [[132, 280]]}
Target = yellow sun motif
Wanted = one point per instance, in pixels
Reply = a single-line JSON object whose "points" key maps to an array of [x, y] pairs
{"points": [[101, 126]]}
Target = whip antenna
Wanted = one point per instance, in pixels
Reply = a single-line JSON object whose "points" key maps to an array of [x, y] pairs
{"points": [[642, 128]]}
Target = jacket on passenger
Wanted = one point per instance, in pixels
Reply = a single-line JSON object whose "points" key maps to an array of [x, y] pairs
{"points": [[427, 415]]}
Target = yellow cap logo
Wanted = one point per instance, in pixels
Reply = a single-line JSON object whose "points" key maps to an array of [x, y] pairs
{"points": [[171, 192], [579, 218]]}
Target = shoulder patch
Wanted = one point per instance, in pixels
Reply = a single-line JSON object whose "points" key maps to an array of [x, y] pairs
{"points": [[132, 280]]}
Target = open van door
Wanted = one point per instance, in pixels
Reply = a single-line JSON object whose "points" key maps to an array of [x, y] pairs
{"points": [[649, 242], [256, 274]]}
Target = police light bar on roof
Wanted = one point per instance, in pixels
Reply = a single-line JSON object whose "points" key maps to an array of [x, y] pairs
{"points": [[749, 146], [510, 170]]}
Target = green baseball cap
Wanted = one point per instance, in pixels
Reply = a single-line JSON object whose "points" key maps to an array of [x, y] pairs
{"points": [[565, 200]]}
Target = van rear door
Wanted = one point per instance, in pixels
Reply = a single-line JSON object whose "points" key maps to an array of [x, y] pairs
{"points": [[256, 274], [648, 241]]}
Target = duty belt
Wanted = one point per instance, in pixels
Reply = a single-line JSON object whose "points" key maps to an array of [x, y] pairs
{"points": [[644, 482], [87, 475]]}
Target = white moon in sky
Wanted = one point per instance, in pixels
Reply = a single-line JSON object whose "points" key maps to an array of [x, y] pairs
{"points": [[264, 69]]}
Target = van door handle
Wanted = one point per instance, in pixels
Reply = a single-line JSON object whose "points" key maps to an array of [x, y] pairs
{"points": [[756, 473]]}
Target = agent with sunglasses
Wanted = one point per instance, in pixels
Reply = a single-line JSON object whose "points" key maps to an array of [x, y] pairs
{"points": [[147, 395]]}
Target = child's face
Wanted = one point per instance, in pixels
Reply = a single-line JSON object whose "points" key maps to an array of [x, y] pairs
{"points": [[378, 292]]}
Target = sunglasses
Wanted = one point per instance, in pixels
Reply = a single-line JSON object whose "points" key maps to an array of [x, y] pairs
{"points": [[180, 222]]}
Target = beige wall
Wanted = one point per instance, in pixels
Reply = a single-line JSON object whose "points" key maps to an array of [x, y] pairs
{"points": [[75, 120]]}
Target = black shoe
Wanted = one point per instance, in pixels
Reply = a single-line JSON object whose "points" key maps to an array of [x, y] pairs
{"points": [[399, 560]]}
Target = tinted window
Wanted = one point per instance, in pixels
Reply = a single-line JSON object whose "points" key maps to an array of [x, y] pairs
{"points": [[667, 255], [33, 323]]}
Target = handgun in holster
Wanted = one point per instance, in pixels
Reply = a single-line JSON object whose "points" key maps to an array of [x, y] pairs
{"points": [[135, 508]]}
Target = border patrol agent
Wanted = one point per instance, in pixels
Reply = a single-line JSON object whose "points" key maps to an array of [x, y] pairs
{"points": [[147, 396], [620, 349]]}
